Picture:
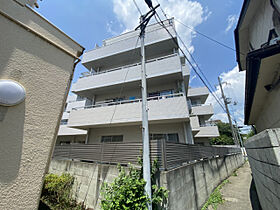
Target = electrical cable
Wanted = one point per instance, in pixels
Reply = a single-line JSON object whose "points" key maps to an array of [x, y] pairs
{"points": [[200, 33], [211, 87], [191, 54], [200, 77], [121, 89], [137, 7], [123, 83]]}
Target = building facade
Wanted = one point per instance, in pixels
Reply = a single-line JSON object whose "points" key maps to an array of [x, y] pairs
{"points": [[258, 52], [67, 135], [42, 59], [113, 94], [111, 111], [257, 37], [200, 113]]}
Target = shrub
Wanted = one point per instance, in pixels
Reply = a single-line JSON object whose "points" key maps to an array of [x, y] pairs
{"points": [[127, 190], [57, 192]]}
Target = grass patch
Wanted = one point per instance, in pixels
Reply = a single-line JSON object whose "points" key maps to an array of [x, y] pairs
{"points": [[234, 173], [215, 198]]}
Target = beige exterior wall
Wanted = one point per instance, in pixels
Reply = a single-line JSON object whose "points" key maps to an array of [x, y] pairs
{"points": [[269, 117], [28, 130], [265, 108], [261, 24], [134, 133]]}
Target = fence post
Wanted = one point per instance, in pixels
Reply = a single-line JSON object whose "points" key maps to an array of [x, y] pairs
{"points": [[163, 154], [102, 150], [70, 150]]}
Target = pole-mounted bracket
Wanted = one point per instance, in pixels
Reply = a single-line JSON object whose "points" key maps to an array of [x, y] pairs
{"points": [[145, 20]]}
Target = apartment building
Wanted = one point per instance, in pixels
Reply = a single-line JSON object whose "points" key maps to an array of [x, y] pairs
{"points": [[200, 113], [112, 91], [107, 105], [67, 135]]}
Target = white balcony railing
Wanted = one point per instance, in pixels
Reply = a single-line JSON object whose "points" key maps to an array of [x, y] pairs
{"points": [[167, 107], [208, 132], [203, 109], [196, 105], [93, 73], [208, 124], [110, 103]]}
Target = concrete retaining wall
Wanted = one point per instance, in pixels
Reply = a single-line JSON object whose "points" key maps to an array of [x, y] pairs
{"points": [[189, 186], [89, 178], [263, 152]]}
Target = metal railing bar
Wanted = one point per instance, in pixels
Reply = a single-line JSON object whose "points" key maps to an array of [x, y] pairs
{"points": [[103, 103], [128, 66]]}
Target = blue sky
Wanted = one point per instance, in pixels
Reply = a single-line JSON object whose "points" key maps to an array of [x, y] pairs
{"points": [[89, 22]]}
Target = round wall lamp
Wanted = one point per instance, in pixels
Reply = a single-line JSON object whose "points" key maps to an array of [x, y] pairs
{"points": [[11, 93]]}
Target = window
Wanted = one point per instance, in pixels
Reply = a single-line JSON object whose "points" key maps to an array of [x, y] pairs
{"points": [[117, 138], [196, 102], [153, 94], [64, 142], [171, 137], [166, 92], [80, 98], [64, 122], [160, 93]]}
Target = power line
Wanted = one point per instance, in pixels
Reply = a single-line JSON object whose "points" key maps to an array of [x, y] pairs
{"points": [[200, 77], [200, 33], [123, 84], [208, 37], [137, 7], [211, 89]]}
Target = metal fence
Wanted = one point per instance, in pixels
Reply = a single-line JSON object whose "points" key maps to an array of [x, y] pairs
{"points": [[168, 154]]}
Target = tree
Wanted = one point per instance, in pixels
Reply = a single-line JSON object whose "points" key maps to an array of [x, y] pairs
{"points": [[225, 137], [127, 190]]}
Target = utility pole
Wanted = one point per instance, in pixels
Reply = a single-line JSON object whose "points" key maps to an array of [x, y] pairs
{"points": [[238, 134], [228, 114], [144, 20], [145, 124]]}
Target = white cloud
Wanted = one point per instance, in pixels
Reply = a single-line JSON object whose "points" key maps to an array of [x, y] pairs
{"points": [[109, 27], [234, 88], [192, 78], [189, 12], [231, 21]]}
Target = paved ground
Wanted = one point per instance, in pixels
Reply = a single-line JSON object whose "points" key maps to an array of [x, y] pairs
{"points": [[238, 193]]}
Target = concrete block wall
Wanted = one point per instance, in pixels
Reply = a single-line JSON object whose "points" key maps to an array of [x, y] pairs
{"points": [[89, 177], [190, 186], [263, 152]]}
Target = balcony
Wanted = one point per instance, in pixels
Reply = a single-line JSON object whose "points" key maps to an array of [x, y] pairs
{"points": [[198, 93], [126, 47], [64, 130], [163, 68], [208, 131], [202, 110], [65, 115], [195, 124], [161, 108]]}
